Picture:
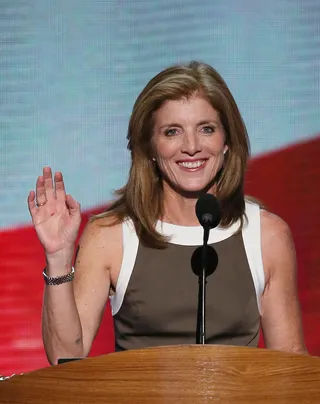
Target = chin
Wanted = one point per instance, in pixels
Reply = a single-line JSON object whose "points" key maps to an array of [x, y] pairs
{"points": [[189, 186], [192, 188]]}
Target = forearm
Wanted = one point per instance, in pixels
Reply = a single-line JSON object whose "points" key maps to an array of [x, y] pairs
{"points": [[61, 326]]}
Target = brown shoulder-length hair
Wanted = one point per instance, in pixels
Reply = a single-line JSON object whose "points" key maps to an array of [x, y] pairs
{"points": [[141, 199]]}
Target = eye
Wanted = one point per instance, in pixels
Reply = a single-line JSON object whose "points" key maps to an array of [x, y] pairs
{"points": [[171, 132], [208, 129]]}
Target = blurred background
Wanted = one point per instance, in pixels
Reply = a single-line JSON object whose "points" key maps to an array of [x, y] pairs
{"points": [[70, 71]]}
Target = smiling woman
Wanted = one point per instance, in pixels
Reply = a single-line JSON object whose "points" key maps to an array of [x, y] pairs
{"points": [[189, 151], [186, 138], [186, 114]]}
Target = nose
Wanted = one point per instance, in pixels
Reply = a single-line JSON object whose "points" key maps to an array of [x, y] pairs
{"points": [[191, 143]]}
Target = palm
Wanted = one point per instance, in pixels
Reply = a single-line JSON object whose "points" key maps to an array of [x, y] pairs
{"points": [[57, 218], [55, 228]]}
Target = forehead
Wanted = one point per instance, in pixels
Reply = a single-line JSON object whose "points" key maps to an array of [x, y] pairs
{"points": [[191, 108]]}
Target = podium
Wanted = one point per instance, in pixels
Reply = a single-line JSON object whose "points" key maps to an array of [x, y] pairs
{"points": [[173, 374]]}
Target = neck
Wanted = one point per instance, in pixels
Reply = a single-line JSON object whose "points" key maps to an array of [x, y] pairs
{"points": [[179, 208]]}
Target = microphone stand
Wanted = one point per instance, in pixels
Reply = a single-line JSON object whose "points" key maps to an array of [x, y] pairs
{"points": [[201, 319]]}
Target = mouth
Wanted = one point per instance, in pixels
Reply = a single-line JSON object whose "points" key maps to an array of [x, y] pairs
{"points": [[194, 165]]}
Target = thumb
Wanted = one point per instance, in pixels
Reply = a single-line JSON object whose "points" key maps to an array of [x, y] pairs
{"points": [[73, 205]]}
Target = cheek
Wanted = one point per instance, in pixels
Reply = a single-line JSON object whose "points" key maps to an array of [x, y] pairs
{"points": [[215, 146], [165, 158], [165, 150], [165, 164]]}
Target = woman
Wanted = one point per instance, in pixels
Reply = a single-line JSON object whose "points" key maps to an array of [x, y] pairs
{"points": [[186, 137]]}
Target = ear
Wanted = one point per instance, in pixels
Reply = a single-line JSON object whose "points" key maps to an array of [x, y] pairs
{"points": [[225, 149]]}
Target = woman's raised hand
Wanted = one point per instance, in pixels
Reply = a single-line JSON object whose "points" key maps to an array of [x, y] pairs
{"points": [[56, 216]]}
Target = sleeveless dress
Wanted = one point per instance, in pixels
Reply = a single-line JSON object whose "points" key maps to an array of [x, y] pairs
{"points": [[156, 298]]}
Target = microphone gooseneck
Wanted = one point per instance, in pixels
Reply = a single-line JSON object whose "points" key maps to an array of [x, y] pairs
{"points": [[208, 214]]}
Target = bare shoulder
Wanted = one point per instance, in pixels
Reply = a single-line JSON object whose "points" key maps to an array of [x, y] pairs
{"points": [[102, 231], [101, 239], [272, 226], [275, 232], [278, 249]]}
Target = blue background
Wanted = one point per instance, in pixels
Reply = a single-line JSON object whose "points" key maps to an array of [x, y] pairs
{"points": [[71, 70]]}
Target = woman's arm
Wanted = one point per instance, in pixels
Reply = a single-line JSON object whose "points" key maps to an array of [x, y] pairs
{"points": [[72, 312], [281, 317]]}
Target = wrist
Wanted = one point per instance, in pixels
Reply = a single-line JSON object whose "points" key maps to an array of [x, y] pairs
{"points": [[59, 263], [58, 280]]}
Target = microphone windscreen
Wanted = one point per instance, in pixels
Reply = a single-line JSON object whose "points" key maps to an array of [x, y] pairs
{"points": [[208, 211]]}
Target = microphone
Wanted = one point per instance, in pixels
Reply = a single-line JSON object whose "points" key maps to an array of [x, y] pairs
{"points": [[209, 216], [208, 211]]}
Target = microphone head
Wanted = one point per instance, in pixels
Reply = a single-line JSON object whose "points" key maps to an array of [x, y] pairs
{"points": [[208, 211]]}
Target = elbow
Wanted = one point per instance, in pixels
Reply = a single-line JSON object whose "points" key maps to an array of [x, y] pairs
{"points": [[51, 358], [300, 350], [59, 355], [60, 359]]}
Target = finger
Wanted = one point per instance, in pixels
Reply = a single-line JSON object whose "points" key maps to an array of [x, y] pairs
{"points": [[73, 206], [32, 203], [59, 186], [40, 191], [48, 183]]}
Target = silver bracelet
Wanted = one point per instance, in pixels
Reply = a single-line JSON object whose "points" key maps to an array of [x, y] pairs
{"points": [[58, 280]]}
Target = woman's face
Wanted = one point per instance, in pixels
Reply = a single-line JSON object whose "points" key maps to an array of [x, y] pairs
{"points": [[189, 143]]}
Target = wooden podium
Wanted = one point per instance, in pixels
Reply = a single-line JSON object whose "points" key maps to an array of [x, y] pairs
{"points": [[175, 374]]}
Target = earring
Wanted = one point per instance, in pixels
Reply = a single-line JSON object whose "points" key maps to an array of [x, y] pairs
{"points": [[153, 159], [225, 151]]}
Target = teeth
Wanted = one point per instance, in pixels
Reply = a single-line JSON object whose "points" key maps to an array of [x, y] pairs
{"points": [[193, 164]]}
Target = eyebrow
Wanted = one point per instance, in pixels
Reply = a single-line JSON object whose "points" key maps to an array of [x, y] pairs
{"points": [[203, 122]]}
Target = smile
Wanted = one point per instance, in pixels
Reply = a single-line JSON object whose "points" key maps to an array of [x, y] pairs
{"points": [[191, 165]]}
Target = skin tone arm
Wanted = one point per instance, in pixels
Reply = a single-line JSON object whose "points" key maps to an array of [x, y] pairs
{"points": [[100, 251], [281, 317], [71, 311]]}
